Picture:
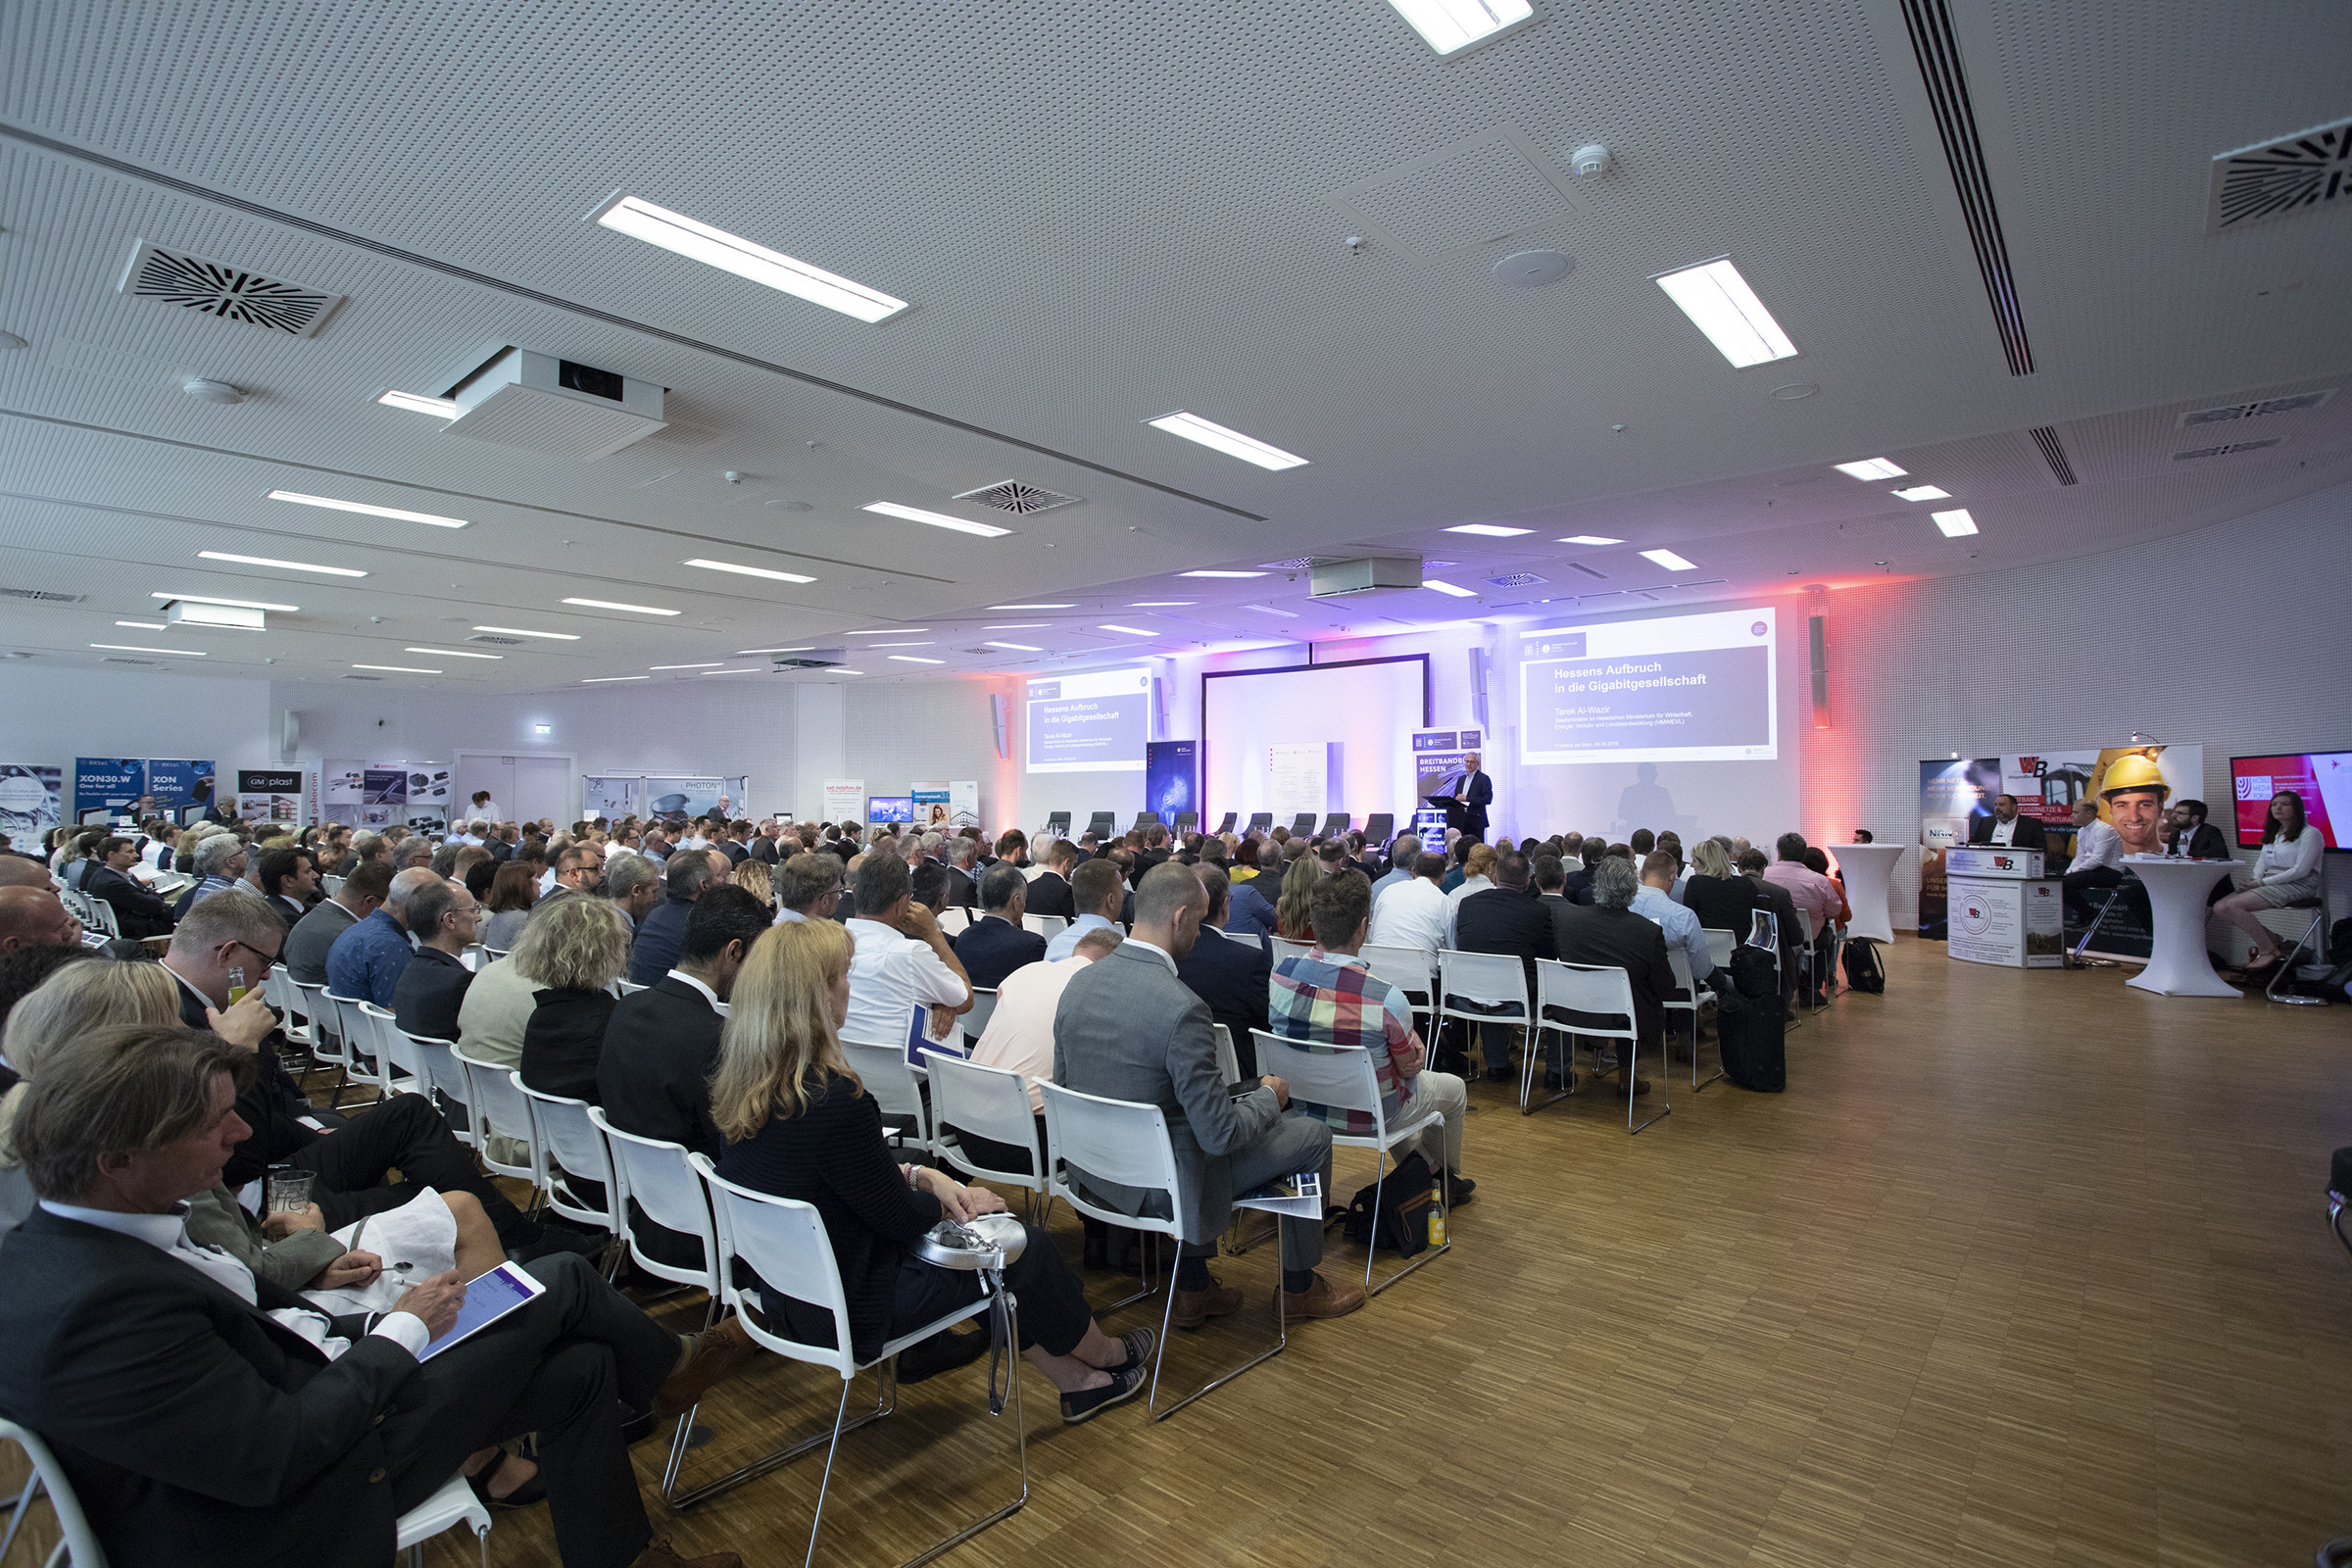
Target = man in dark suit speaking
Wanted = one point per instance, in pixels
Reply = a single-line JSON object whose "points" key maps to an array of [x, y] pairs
{"points": [[1476, 793], [208, 1416], [2005, 828]]}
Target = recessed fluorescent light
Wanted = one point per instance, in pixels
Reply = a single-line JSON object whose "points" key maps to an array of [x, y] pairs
{"points": [[450, 652], [1132, 631], [809, 648], [145, 625], [1924, 492], [1449, 588], [750, 572], [1018, 648], [1233, 444], [634, 609], [1194, 575], [886, 631], [712, 663], [126, 647], [926, 643], [606, 680], [937, 520], [1956, 523], [1872, 468], [1447, 25], [1720, 304], [1588, 539], [517, 631], [731, 253], [417, 402], [398, 670], [1162, 603], [1019, 625], [839, 671], [909, 658], [234, 604], [1669, 560], [740, 669], [1033, 607], [394, 512], [1269, 609], [1489, 530], [282, 565]]}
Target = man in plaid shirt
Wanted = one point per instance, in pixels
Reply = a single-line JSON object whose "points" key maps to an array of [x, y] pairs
{"points": [[1328, 997]]}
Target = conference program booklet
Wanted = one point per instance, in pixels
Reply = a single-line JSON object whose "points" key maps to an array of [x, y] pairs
{"points": [[1301, 1196]]}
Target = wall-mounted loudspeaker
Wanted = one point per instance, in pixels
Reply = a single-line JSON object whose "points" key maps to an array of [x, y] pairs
{"points": [[995, 719], [1479, 663], [288, 733], [1160, 709], [1816, 635]]}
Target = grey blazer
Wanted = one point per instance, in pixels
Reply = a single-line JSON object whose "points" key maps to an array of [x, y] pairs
{"points": [[1128, 1029]]}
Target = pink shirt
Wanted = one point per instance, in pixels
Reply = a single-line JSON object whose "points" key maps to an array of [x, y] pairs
{"points": [[1019, 1037], [1807, 889]]}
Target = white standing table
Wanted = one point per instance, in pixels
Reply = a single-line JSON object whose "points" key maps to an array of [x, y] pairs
{"points": [[2177, 965], [1867, 869]]}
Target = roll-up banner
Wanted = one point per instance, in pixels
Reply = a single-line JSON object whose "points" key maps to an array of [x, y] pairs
{"points": [[270, 794], [845, 800], [1439, 751], [610, 795], [30, 803], [179, 782], [111, 783], [682, 799], [946, 805], [1172, 778]]}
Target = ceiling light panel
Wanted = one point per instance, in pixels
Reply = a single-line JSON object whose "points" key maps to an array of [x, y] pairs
{"points": [[732, 253], [1924, 492], [1180, 574], [1489, 530], [1162, 603], [1956, 523], [450, 652], [886, 631], [910, 658], [1872, 468], [712, 663], [1447, 588], [606, 680], [240, 603], [1450, 26], [1588, 539], [1128, 631], [144, 625], [127, 648], [1033, 607], [517, 631], [634, 609], [1019, 625], [394, 512], [398, 670], [417, 402], [282, 565], [1233, 444], [1669, 560], [1018, 648], [750, 572], [937, 520], [1720, 304]]}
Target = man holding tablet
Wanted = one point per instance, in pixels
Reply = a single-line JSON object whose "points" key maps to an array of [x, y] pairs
{"points": [[208, 1416]]}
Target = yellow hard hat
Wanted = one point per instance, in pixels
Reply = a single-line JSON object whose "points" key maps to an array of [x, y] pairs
{"points": [[2133, 770]]}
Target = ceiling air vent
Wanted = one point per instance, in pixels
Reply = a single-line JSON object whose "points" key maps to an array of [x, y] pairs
{"points": [[827, 659], [2309, 169], [42, 596], [1936, 43], [2255, 410], [1588, 570], [2226, 448], [363, 678], [1517, 579], [143, 663], [495, 642], [2054, 453], [1294, 563], [231, 292], [1010, 495]]}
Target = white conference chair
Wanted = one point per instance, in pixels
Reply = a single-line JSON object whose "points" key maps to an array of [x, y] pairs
{"points": [[438, 1074], [395, 1063], [497, 1108], [1407, 969], [953, 919], [453, 1505], [1493, 979], [326, 1042], [1341, 1077], [361, 1052], [1127, 1143], [1679, 963], [1606, 990], [783, 1239], [654, 1176], [990, 1103], [885, 1072], [1229, 1060], [1285, 948], [1720, 946], [567, 1147], [983, 1008]]}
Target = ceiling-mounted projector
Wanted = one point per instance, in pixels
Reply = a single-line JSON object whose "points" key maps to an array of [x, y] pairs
{"points": [[179, 613], [540, 403], [1363, 574]]}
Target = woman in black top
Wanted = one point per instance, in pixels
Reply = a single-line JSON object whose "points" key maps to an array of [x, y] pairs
{"points": [[1721, 898], [799, 1125], [576, 948]]}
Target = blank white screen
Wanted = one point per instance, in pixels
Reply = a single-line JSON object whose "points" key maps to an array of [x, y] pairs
{"points": [[1370, 709]]}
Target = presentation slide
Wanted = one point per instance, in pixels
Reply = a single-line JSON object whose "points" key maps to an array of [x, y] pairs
{"points": [[1368, 709], [1679, 688], [2323, 779], [1091, 723]]}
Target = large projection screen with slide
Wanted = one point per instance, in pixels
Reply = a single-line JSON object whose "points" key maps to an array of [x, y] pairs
{"points": [[1370, 706]]}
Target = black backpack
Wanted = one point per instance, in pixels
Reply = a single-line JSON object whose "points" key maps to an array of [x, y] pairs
{"points": [[1754, 972], [1401, 1223], [1863, 970], [1753, 1033]]}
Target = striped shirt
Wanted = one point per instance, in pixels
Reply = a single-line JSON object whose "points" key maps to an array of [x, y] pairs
{"points": [[1328, 1001]]}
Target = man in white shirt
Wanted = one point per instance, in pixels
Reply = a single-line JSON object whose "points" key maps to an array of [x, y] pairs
{"points": [[484, 808], [2098, 862], [1415, 913], [1098, 893], [902, 960]]}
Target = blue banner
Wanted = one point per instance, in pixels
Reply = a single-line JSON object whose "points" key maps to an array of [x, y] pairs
{"points": [[175, 784], [114, 782], [1171, 778]]}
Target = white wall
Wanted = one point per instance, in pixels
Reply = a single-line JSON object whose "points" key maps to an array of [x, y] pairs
{"points": [[50, 717]]}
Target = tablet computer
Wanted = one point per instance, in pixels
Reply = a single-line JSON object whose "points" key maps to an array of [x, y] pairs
{"points": [[488, 1298]]}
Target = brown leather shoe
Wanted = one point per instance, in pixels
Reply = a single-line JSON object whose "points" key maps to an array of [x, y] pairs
{"points": [[660, 1554], [1196, 1307], [718, 1355], [1323, 1299]]}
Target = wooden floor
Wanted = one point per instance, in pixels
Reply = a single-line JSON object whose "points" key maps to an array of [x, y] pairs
{"points": [[2023, 1268]]}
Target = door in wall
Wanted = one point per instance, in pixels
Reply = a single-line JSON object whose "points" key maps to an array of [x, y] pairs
{"points": [[543, 787]]}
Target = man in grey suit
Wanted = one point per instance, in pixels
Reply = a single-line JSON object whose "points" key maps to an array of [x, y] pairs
{"points": [[1129, 1029]]}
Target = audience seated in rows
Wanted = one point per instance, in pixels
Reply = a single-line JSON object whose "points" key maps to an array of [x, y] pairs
{"points": [[445, 920], [365, 962], [685, 875], [1412, 912], [1098, 893], [580, 950], [996, 944], [903, 962], [1231, 976], [1608, 933]]}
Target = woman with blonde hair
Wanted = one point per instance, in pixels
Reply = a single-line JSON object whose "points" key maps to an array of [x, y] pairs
{"points": [[754, 877], [1716, 892], [1292, 918], [576, 948], [799, 1125], [1478, 875]]}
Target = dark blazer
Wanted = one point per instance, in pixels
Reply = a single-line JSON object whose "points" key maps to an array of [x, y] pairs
{"points": [[992, 946], [764, 849], [425, 1002], [139, 913], [653, 1076], [1476, 798], [562, 1042], [962, 892], [195, 1429], [1508, 920], [735, 853], [1632, 943], [273, 1107], [2205, 843], [2028, 834], [1577, 887], [1145, 860], [1250, 911], [1050, 894], [1234, 980], [500, 849], [655, 951], [1722, 903]]}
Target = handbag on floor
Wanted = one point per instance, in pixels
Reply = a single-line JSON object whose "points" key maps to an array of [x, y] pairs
{"points": [[1863, 970], [1400, 1225]]}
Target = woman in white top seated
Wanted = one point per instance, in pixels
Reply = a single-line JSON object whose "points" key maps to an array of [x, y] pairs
{"points": [[2288, 871]]}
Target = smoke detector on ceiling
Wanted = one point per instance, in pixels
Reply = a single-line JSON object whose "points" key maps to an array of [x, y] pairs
{"points": [[225, 290], [206, 391]]}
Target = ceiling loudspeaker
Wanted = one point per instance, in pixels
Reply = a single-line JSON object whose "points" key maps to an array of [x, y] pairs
{"points": [[1817, 635], [287, 733], [1160, 709], [997, 722], [1480, 661]]}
